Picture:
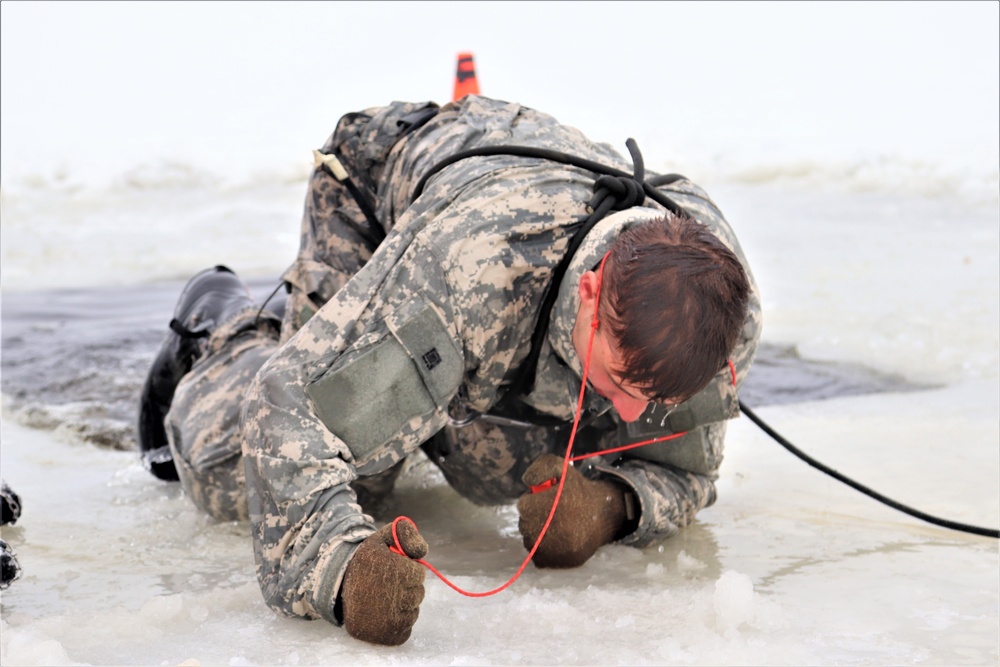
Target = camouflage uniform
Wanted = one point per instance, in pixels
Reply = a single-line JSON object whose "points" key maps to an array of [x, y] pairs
{"points": [[385, 345]]}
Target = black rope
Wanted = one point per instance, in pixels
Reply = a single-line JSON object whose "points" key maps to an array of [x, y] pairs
{"points": [[625, 191], [374, 233], [945, 523], [555, 156], [270, 296], [665, 179], [612, 192], [614, 189]]}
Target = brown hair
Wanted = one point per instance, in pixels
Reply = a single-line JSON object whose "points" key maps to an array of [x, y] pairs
{"points": [[675, 298]]}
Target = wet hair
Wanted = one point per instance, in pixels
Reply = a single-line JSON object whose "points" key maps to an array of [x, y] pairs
{"points": [[674, 298]]}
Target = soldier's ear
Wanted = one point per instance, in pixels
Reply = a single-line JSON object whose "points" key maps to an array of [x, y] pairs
{"points": [[588, 289]]}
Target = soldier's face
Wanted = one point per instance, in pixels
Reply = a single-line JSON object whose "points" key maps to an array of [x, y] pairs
{"points": [[605, 359]]}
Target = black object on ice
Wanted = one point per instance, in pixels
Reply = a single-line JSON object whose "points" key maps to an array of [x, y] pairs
{"points": [[9, 569], [208, 299], [10, 505]]}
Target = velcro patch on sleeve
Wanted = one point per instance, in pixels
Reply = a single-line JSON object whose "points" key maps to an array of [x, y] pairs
{"points": [[367, 399]]}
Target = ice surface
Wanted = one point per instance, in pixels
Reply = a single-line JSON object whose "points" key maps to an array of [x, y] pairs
{"points": [[788, 567]]}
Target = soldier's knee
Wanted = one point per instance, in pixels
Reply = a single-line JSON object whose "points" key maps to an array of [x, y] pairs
{"points": [[217, 488]]}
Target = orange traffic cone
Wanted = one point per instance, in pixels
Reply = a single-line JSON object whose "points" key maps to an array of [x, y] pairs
{"points": [[465, 77]]}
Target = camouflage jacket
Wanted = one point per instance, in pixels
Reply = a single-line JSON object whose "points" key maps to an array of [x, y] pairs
{"points": [[441, 315]]}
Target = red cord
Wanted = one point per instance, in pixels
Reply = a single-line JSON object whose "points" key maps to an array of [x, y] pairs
{"points": [[396, 548], [662, 438], [562, 479], [544, 486]]}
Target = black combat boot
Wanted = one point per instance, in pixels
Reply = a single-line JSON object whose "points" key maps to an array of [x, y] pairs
{"points": [[209, 299]]}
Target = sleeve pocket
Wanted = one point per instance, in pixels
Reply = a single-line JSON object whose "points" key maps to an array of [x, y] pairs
{"points": [[373, 394]]}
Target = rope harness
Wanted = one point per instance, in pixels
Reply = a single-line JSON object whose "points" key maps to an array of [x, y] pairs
{"points": [[614, 190]]}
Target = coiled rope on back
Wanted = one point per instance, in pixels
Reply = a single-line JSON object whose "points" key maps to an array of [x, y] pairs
{"points": [[614, 189], [649, 187], [624, 192]]}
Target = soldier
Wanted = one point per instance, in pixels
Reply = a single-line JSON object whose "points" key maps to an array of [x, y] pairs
{"points": [[458, 269]]}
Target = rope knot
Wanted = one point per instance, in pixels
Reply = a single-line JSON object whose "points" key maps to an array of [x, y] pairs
{"points": [[621, 192], [624, 192]]}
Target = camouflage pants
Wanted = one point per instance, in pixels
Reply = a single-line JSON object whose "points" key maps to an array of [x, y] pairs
{"points": [[203, 425]]}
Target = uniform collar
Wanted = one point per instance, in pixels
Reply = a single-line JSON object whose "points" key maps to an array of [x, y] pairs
{"points": [[597, 242]]}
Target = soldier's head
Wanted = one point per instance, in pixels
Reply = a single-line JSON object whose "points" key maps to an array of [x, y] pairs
{"points": [[673, 299]]}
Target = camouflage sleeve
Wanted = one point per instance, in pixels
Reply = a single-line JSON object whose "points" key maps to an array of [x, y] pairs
{"points": [[344, 398], [669, 496]]}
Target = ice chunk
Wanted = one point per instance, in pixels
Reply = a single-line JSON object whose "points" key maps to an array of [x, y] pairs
{"points": [[687, 563], [734, 599]]}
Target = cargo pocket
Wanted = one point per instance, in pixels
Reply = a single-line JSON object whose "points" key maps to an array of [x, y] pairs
{"points": [[369, 396]]}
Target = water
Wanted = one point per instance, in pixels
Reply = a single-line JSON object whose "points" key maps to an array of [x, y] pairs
{"points": [[854, 150]]}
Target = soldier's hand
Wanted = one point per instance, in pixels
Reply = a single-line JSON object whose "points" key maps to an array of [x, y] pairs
{"points": [[382, 590], [591, 513]]}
